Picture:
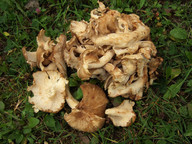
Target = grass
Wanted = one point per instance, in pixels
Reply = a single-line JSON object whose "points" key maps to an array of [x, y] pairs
{"points": [[164, 115]]}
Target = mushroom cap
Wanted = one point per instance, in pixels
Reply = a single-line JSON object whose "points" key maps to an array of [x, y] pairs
{"points": [[58, 56], [49, 91], [122, 115], [88, 115], [48, 56], [30, 57], [94, 100], [83, 121]]}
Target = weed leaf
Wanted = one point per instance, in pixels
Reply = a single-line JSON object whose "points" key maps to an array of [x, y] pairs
{"points": [[128, 10], [142, 2], [189, 106], [189, 84], [175, 88], [26, 130], [189, 130], [78, 94], [49, 121], [19, 138], [33, 122], [73, 82], [188, 133], [148, 142], [2, 106], [161, 142], [189, 55], [178, 33], [183, 111]]}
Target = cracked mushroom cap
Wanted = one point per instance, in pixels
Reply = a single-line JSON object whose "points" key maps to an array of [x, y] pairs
{"points": [[88, 115], [122, 115], [49, 91]]}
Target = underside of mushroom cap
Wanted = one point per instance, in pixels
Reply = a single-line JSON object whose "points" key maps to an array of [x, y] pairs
{"points": [[122, 115], [49, 55], [30, 57], [49, 91], [84, 121]]}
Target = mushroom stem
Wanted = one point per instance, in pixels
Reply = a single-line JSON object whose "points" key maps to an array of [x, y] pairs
{"points": [[103, 60], [72, 102]]}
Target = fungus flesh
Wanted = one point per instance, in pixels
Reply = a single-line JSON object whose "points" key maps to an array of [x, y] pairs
{"points": [[115, 48], [122, 115], [49, 91], [88, 115]]}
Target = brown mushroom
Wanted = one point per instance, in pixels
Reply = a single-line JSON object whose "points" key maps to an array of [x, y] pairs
{"points": [[88, 115]]}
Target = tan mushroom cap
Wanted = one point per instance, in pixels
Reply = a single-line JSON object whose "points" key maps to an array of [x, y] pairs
{"points": [[94, 99], [122, 115], [88, 115], [49, 91]]}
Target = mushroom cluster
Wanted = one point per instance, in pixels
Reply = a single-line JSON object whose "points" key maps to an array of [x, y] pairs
{"points": [[112, 47]]}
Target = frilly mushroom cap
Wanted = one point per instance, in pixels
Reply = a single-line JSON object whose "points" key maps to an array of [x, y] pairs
{"points": [[88, 56], [58, 56], [88, 115], [30, 57], [49, 55], [122, 115], [49, 91]]}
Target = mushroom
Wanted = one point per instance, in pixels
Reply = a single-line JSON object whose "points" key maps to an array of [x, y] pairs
{"points": [[90, 60], [88, 115], [122, 115], [49, 91], [114, 48], [30, 57], [49, 56]]}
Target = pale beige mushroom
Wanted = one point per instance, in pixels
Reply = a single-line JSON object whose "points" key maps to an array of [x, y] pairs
{"points": [[88, 115], [51, 63], [124, 39], [122, 115], [30, 57], [49, 91], [48, 56], [44, 52], [115, 48], [58, 56], [112, 47], [133, 90], [90, 60], [79, 29]]}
